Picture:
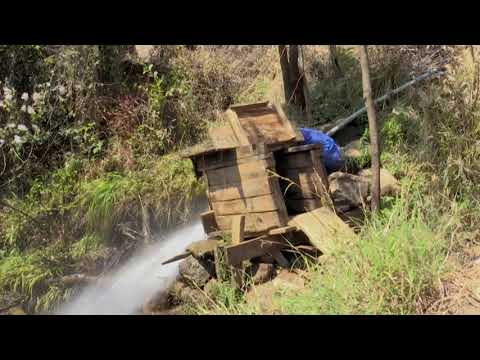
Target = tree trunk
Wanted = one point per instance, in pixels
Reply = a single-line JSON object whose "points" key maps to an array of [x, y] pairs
{"points": [[373, 129], [282, 50], [334, 61], [296, 78]]}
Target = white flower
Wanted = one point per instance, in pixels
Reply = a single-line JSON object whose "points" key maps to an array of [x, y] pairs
{"points": [[24, 96], [2, 142], [7, 91], [35, 128], [11, 125], [22, 127], [17, 139], [23, 108], [62, 90], [36, 96], [9, 97], [30, 110]]}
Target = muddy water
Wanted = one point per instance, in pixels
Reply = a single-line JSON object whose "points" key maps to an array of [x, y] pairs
{"points": [[124, 291]]}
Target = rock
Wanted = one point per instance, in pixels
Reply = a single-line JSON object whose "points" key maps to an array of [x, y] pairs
{"points": [[181, 293], [193, 273], [353, 149], [262, 272], [156, 303], [388, 184], [263, 296], [144, 52], [348, 191]]}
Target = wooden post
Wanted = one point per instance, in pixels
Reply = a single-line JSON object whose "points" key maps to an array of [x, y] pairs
{"points": [[372, 125], [238, 231]]}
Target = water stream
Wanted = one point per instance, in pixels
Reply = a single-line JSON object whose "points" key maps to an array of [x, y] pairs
{"points": [[125, 290]]}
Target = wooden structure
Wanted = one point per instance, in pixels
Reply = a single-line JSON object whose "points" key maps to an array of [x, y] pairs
{"points": [[259, 176]]}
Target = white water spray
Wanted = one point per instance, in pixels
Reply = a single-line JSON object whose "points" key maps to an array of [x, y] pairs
{"points": [[124, 291]]}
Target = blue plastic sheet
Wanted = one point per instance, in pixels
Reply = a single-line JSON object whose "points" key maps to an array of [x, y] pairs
{"points": [[331, 152]]}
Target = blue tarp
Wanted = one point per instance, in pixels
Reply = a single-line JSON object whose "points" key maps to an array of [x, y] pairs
{"points": [[331, 153]]}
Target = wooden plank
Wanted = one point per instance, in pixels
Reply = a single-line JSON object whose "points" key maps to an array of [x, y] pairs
{"points": [[238, 174], [246, 250], [324, 229], [227, 159], [281, 114], [322, 174], [237, 128], [282, 230], [299, 148], [250, 188], [255, 222], [246, 205], [208, 221], [223, 137], [238, 229]]}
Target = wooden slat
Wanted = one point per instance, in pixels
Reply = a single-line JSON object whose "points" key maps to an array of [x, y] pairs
{"points": [[282, 230], [227, 159], [278, 109], [261, 203], [246, 250], [237, 128], [238, 174], [238, 229], [250, 188], [324, 229], [208, 221], [255, 222], [223, 137]]}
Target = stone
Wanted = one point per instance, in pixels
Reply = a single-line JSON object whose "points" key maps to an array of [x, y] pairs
{"points": [[193, 273], [263, 296], [181, 293], [389, 185], [157, 303], [348, 191], [353, 149]]}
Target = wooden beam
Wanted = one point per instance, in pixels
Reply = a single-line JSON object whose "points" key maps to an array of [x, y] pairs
{"points": [[249, 249], [238, 229]]}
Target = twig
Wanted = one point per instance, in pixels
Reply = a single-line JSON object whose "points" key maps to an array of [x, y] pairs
{"points": [[340, 124]]}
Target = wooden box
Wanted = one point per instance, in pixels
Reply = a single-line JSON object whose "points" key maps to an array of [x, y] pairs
{"points": [[240, 181], [306, 185]]}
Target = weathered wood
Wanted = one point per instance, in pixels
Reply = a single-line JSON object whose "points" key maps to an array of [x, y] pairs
{"points": [[261, 203], [279, 258], [321, 172], [223, 137], [282, 230], [238, 229], [281, 114], [324, 229], [238, 174], [250, 188], [248, 249], [255, 222], [232, 118], [228, 158], [208, 221]]}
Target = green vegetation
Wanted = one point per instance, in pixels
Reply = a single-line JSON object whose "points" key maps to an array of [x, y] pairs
{"points": [[89, 165]]}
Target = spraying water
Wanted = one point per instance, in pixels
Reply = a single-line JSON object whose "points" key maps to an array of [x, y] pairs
{"points": [[123, 292]]}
